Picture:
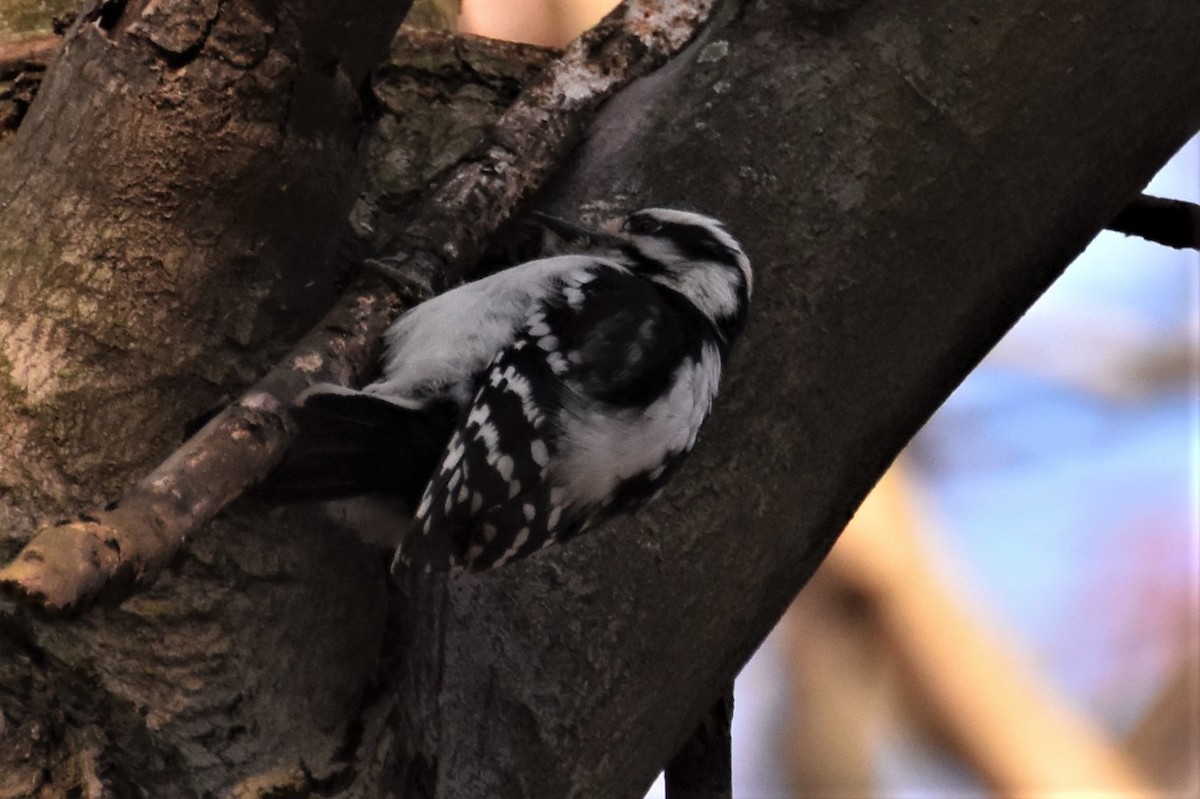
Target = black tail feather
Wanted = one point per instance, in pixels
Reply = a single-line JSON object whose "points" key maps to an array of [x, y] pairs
{"points": [[350, 444]]}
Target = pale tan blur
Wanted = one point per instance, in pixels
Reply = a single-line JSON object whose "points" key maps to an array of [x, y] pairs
{"points": [[552, 23]]}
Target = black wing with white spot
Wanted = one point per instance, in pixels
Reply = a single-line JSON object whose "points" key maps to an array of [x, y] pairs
{"points": [[608, 339], [617, 335]]}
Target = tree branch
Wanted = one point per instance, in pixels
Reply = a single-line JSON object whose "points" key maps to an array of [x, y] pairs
{"points": [[703, 766], [902, 206], [106, 554], [21, 66], [1172, 223], [28, 54]]}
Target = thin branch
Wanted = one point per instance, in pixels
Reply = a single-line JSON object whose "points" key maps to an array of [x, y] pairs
{"points": [[22, 65], [107, 554], [28, 54], [702, 768], [536, 133], [1173, 223]]}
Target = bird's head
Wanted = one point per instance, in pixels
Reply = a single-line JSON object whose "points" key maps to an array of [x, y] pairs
{"points": [[685, 251]]}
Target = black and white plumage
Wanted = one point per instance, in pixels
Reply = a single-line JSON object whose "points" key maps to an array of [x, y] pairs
{"points": [[519, 409]]}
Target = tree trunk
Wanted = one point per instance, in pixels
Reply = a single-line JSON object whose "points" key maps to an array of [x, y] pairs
{"points": [[168, 218], [907, 178], [168, 215]]}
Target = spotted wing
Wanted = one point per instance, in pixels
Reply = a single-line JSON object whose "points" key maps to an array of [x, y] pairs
{"points": [[606, 339]]}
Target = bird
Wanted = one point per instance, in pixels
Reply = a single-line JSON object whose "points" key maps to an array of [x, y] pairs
{"points": [[522, 408]]}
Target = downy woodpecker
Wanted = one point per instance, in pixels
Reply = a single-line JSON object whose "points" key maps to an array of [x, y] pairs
{"points": [[522, 408]]}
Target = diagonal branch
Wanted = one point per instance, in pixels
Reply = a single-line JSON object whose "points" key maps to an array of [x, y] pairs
{"points": [[22, 64], [107, 554]]}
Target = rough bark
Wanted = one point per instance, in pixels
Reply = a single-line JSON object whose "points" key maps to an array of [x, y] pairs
{"points": [[168, 212], [166, 225], [907, 177], [107, 552], [110, 551], [102, 554]]}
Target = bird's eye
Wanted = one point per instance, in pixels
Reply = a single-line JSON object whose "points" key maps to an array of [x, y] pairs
{"points": [[642, 225]]}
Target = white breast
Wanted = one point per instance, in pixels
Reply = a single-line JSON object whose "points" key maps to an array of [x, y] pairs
{"points": [[602, 448]]}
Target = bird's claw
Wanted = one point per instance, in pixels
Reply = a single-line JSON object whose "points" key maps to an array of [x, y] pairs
{"points": [[412, 277]]}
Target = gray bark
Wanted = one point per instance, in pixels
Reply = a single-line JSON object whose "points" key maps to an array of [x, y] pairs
{"points": [[907, 176]]}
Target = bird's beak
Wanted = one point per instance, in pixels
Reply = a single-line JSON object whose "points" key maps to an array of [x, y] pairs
{"points": [[573, 231]]}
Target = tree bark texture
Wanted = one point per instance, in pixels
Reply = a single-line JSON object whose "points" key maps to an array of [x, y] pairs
{"points": [[907, 177], [167, 221], [321, 753], [107, 552], [168, 212]]}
